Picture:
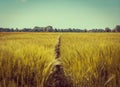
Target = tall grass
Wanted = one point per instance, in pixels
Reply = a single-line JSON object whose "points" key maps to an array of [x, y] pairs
{"points": [[87, 59], [91, 59], [26, 59]]}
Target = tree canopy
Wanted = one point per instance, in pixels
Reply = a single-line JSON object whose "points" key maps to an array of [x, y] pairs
{"points": [[51, 29]]}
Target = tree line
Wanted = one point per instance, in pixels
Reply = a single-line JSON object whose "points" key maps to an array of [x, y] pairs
{"points": [[51, 29]]}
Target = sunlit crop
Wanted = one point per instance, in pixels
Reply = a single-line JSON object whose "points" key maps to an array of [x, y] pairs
{"points": [[86, 59], [91, 59], [26, 59]]}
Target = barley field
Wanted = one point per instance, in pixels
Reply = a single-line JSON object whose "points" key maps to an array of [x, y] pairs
{"points": [[26, 59], [85, 59], [91, 59]]}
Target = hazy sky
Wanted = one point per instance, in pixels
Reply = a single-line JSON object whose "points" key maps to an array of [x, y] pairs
{"points": [[60, 13]]}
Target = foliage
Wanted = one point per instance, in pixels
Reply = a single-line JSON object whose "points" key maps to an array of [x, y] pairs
{"points": [[51, 29]]}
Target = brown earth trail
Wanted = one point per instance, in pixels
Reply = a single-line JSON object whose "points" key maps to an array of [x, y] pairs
{"points": [[57, 78]]}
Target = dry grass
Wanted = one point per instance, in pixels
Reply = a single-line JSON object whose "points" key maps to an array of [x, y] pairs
{"points": [[26, 59], [91, 59], [88, 59]]}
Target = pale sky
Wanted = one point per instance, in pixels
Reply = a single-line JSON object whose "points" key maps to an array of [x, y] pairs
{"points": [[60, 13]]}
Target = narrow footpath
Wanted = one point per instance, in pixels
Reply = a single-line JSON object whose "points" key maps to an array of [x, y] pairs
{"points": [[57, 78]]}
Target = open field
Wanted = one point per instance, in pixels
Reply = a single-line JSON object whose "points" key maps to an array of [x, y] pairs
{"points": [[85, 59], [91, 59], [26, 58]]}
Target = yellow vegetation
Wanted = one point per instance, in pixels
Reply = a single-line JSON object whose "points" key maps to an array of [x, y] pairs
{"points": [[88, 59], [26, 59], [91, 59]]}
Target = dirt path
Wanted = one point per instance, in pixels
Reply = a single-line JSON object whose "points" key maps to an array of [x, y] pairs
{"points": [[57, 47], [57, 78]]}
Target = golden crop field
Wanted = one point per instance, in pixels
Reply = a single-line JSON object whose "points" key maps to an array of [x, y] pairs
{"points": [[37, 59], [91, 59], [26, 59]]}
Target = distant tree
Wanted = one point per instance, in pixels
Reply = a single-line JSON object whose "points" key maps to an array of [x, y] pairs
{"points": [[107, 29], [49, 28], [85, 30], [117, 28], [37, 29], [55, 30], [26, 30], [70, 30], [93, 30], [12, 30], [100, 30], [7, 30], [59, 30], [16, 30], [0, 29]]}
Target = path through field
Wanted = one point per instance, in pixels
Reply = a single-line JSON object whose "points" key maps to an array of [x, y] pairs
{"points": [[57, 78], [59, 60]]}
